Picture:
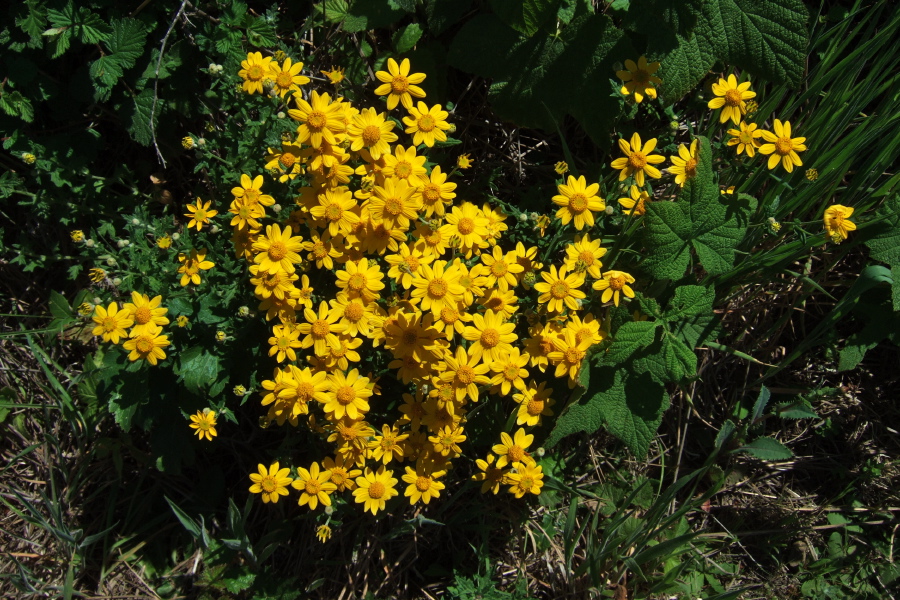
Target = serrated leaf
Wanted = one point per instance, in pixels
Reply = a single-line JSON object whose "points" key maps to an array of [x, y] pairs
{"points": [[525, 16], [407, 5], [127, 40], [760, 405], [197, 368], [630, 338], [679, 360], [16, 105], [442, 14], [690, 300], [884, 245], [800, 409], [260, 33], [35, 21], [406, 38], [370, 14], [88, 27], [679, 16], [139, 127], [766, 448]]}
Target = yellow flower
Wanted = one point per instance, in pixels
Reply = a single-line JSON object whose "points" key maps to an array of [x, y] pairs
{"points": [[347, 395], [534, 402], [731, 98], [637, 204], [639, 79], [837, 223], [437, 286], [375, 488], [341, 472], [467, 223], [559, 290], [314, 485], [638, 160], [182, 321], [77, 235], [28, 158], [465, 374], [464, 161], [362, 279], [501, 268], [370, 130], [204, 422], [200, 214], [489, 474], [812, 174], [510, 371], [320, 330], [278, 251], [684, 166], [239, 391], [254, 70], [612, 284], [271, 483], [165, 242], [583, 256], [336, 208], [447, 440], [561, 168], [427, 125], [145, 311], [85, 309], [728, 190], [782, 147], [567, 355], [395, 204], [586, 330], [513, 449], [541, 223], [284, 341], [405, 165], [387, 446], [287, 77], [187, 142], [499, 301], [322, 250], [491, 338], [97, 275], [406, 263], [745, 138], [250, 191], [320, 119], [335, 75], [323, 532], [529, 479], [111, 322], [147, 345], [436, 192], [422, 482], [399, 85], [288, 162]]}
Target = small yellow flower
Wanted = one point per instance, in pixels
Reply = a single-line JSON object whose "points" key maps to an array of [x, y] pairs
{"points": [[238, 390], [314, 485], [612, 284], [782, 147], [254, 71], [111, 322], [147, 345], [323, 532], [182, 321], [638, 160], [77, 236], [399, 85], [191, 265], [97, 275], [684, 166], [164, 242], [187, 142], [490, 476], [200, 214], [561, 168], [638, 202], [271, 483], [812, 174], [335, 76], [287, 77], [774, 226], [220, 336], [639, 79], [579, 201], [529, 479], [464, 161], [375, 488], [541, 223], [85, 309], [837, 222], [427, 124], [731, 98], [513, 449], [28, 158], [745, 138], [204, 422]]}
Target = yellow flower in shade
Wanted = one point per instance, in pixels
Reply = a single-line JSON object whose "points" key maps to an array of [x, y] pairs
{"points": [[404, 164], [541, 223], [639, 79], [371, 131], [464, 161], [782, 147], [335, 75], [423, 484], [323, 532], [534, 402], [358, 316], [287, 77], [468, 224], [452, 320], [513, 450], [111, 322], [296, 388], [583, 256], [837, 224], [200, 214], [399, 85], [387, 446], [510, 371], [436, 193], [278, 250], [347, 395], [447, 440], [145, 311], [284, 341], [528, 480], [165, 242], [322, 250], [28, 158], [465, 374], [436, 286], [559, 289], [637, 203], [500, 302], [362, 279], [406, 263], [187, 142], [85, 309], [77, 235], [204, 424], [684, 166], [320, 330], [341, 355], [638, 160], [320, 119], [250, 191], [182, 321], [561, 168], [586, 330], [315, 486], [375, 488], [411, 334], [812, 174], [541, 343], [491, 338], [579, 201], [567, 355], [527, 257], [351, 439], [395, 204], [745, 138], [728, 190], [288, 162], [254, 70], [147, 345], [612, 284], [336, 208], [490, 476], [427, 124], [340, 472], [97, 275], [731, 97], [271, 483], [501, 268]]}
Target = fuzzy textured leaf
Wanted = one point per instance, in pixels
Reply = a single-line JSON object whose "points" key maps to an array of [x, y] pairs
{"points": [[766, 448], [198, 368], [885, 244], [630, 338], [525, 16]]}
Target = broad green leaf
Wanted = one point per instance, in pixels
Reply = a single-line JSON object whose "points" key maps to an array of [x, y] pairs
{"points": [[197, 368], [127, 40], [407, 37], [690, 300], [443, 14], [884, 245], [630, 338], [407, 5], [525, 16], [35, 21], [139, 117], [679, 16], [667, 360], [59, 306], [88, 27], [16, 105], [801, 409], [370, 14], [133, 392], [684, 59], [766, 448]]}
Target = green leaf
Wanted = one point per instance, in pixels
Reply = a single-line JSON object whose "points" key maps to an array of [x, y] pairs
{"points": [[630, 338], [16, 105], [800, 409], [88, 27], [679, 16], [766, 448], [197, 368], [192, 526], [35, 22], [370, 14], [59, 306], [406, 38], [759, 406], [133, 392], [260, 33], [139, 118], [525, 16], [127, 40], [443, 14], [690, 300], [884, 246], [407, 5], [698, 220]]}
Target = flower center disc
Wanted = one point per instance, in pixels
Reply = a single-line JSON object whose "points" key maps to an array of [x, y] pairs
{"points": [[784, 146], [640, 76], [490, 338], [574, 355], [465, 374], [466, 226], [316, 119], [587, 257], [616, 283], [345, 395], [526, 483], [376, 490], [255, 73], [305, 391], [511, 372], [431, 193], [733, 98], [321, 328], [426, 123], [354, 311], [690, 167], [371, 135], [312, 487], [403, 170], [559, 290], [284, 80], [423, 484], [410, 337], [637, 160], [109, 324], [515, 454], [399, 84], [535, 407], [578, 203], [277, 251], [143, 344], [745, 138], [449, 315], [268, 484], [287, 160], [583, 334], [357, 282], [333, 212], [437, 288], [393, 206]]}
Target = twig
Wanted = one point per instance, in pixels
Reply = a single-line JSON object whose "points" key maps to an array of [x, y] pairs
{"points": [[162, 50]]}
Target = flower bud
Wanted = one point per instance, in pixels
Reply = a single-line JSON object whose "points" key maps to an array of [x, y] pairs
{"points": [[89, 243], [116, 281]]}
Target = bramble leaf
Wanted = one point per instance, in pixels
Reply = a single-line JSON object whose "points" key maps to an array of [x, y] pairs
{"points": [[406, 38], [525, 16], [197, 368], [885, 244], [630, 338]]}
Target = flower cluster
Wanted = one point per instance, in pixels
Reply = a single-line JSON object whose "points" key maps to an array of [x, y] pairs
{"points": [[145, 317]]}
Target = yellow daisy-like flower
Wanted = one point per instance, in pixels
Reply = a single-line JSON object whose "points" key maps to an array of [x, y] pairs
{"points": [[837, 224], [427, 124], [335, 75], [246, 215], [491, 338], [468, 224], [192, 264], [637, 203], [500, 302], [561, 168], [348, 395], [341, 472], [111, 322], [371, 131], [559, 289], [527, 257], [204, 422], [387, 446], [288, 162], [77, 235], [272, 483], [145, 311], [513, 450], [200, 214], [251, 191], [147, 345], [375, 488], [501, 268], [340, 356], [782, 147], [639, 79], [731, 97], [405, 264], [278, 283], [684, 166], [579, 201], [182, 321], [528, 480], [335, 208], [278, 250], [490, 476], [287, 77], [464, 161], [465, 374], [423, 484], [745, 138], [436, 193], [254, 71], [395, 204], [164, 242], [97, 275], [406, 165], [323, 532], [588, 329], [510, 371], [567, 355], [614, 283], [284, 341], [320, 119], [638, 160], [320, 330], [315, 486], [361, 279], [534, 402], [399, 85], [358, 316], [322, 250], [583, 256], [447, 440], [452, 320]]}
